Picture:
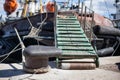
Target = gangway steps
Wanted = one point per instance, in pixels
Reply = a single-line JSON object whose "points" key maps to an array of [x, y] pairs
{"points": [[72, 40]]}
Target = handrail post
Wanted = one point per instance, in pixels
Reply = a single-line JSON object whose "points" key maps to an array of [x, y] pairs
{"points": [[55, 15], [85, 19], [78, 5], [81, 12], [24, 11], [92, 22]]}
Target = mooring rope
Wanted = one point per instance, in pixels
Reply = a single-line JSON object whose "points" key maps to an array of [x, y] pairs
{"points": [[35, 31], [8, 54]]}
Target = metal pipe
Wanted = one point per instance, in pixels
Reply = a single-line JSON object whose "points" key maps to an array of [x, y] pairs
{"points": [[78, 66], [24, 12], [55, 15], [105, 51], [81, 12], [78, 5], [31, 3], [92, 22], [85, 18], [41, 11], [107, 31]]}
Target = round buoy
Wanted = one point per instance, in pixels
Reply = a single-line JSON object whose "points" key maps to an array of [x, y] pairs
{"points": [[10, 6]]}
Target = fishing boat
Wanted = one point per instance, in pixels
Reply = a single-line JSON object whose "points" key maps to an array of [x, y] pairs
{"points": [[60, 38]]}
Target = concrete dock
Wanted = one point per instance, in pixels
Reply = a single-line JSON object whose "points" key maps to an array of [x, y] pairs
{"points": [[109, 70]]}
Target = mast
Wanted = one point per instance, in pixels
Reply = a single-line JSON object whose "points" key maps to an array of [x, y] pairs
{"points": [[41, 8], [24, 12]]}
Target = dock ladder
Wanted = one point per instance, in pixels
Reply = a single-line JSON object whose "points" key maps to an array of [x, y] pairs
{"points": [[71, 38]]}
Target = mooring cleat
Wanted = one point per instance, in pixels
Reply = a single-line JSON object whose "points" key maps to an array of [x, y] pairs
{"points": [[36, 58]]}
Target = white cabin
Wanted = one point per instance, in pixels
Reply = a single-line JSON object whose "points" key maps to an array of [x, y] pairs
{"points": [[117, 15]]}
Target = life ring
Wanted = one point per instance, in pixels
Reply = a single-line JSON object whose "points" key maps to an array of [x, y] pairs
{"points": [[50, 7], [10, 6]]}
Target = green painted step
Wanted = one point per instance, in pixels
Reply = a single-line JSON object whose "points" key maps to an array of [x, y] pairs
{"points": [[71, 29], [66, 27], [72, 40], [72, 36], [59, 38], [75, 48], [70, 32], [73, 44], [67, 21], [79, 42], [78, 52], [60, 25], [74, 18], [71, 17]]}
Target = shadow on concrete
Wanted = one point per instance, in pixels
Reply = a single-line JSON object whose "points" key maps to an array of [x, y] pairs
{"points": [[11, 72], [118, 64]]}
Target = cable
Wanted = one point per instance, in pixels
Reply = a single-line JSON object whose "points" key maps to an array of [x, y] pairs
{"points": [[35, 31], [40, 27], [10, 51], [8, 54], [29, 21]]}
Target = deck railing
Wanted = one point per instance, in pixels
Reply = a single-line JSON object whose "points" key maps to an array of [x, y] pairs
{"points": [[86, 18]]}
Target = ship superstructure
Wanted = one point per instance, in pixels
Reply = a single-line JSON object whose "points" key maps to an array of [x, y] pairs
{"points": [[117, 15]]}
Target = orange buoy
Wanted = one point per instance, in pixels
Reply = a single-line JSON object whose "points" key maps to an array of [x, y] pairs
{"points": [[50, 7], [10, 6]]}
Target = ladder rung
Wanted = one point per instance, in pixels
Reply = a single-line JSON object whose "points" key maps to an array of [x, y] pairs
{"points": [[76, 48], [72, 44], [76, 32], [59, 25]]}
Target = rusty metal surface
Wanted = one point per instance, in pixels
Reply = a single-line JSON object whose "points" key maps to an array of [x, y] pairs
{"points": [[78, 66]]}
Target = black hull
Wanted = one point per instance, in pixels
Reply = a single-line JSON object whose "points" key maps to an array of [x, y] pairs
{"points": [[108, 43], [9, 39]]}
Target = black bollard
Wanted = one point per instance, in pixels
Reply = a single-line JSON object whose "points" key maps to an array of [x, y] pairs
{"points": [[36, 58]]}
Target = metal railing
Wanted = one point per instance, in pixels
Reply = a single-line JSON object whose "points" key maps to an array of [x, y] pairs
{"points": [[86, 16], [55, 28]]}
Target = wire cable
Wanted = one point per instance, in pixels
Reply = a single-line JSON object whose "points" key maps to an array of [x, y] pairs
{"points": [[8, 54]]}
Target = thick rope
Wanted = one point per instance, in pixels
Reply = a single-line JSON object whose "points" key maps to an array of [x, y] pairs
{"points": [[35, 31], [8, 54]]}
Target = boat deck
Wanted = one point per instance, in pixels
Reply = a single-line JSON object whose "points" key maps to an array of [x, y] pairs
{"points": [[108, 70]]}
